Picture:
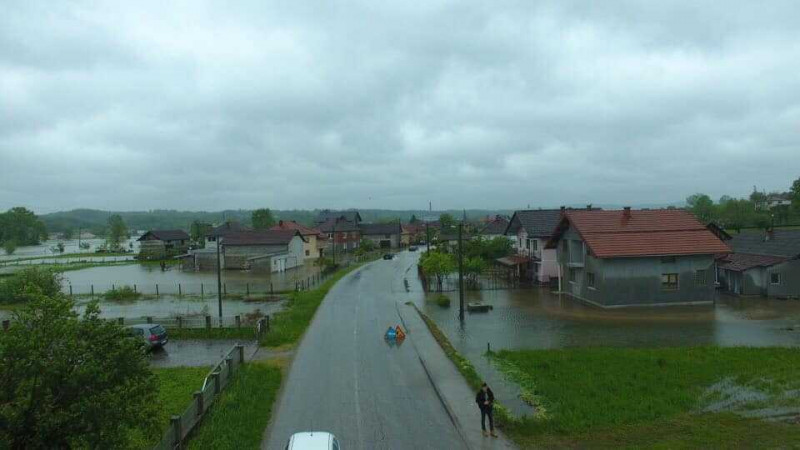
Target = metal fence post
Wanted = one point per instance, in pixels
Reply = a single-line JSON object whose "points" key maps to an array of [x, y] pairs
{"points": [[175, 422], [270, 288], [198, 398], [156, 289], [149, 319], [229, 363], [224, 288], [248, 288], [202, 290], [180, 322], [134, 288], [70, 290], [180, 291], [240, 347], [238, 321], [208, 322], [92, 290], [113, 287], [267, 317]]}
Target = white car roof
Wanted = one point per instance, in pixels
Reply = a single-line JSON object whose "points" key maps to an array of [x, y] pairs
{"points": [[311, 440]]}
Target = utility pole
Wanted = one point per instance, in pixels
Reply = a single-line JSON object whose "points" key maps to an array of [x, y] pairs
{"points": [[219, 283], [333, 237], [460, 274], [427, 237]]}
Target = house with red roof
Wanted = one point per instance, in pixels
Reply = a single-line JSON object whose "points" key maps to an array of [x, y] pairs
{"points": [[313, 245], [636, 258]]}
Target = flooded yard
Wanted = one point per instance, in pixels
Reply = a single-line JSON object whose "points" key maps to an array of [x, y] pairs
{"points": [[536, 318], [70, 246], [150, 279]]}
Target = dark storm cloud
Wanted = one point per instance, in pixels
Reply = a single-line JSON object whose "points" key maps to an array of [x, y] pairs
{"points": [[470, 104]]}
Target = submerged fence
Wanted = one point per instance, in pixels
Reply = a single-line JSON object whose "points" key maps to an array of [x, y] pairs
{"points": [[484, 282], [200, 321], [218, 379]]}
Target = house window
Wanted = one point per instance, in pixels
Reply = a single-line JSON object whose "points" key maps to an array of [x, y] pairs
{"points": [[774, 278], [668, 260], [669, 281], [573, 275], [528, 244], [535, 245], [700, 278], [308, 252], [590, 279], [330, 235]]}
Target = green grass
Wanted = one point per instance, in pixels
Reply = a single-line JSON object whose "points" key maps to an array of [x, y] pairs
{"points": [[245, 332], [649, 397], [122, 293], [176, 385], [287, 326], [238, 419]]}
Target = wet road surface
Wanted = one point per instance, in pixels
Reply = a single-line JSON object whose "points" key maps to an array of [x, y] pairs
{"points": [[347, 380]]}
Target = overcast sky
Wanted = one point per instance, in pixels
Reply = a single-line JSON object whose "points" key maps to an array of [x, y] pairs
{"points": [[389, 104]]}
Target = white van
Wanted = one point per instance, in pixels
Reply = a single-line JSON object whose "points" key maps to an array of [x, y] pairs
{"points": [[313, 440]]}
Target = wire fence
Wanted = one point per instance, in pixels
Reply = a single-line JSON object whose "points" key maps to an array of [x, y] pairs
{"points": [[198, 321], [66, 261], [484, 282]]}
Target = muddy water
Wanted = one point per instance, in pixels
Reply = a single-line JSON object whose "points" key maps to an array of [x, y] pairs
{"points": [[147, 276], [536, 318], [70, 246]]}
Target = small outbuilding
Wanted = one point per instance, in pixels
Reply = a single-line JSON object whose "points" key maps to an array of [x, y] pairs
{"points": [[159, 244], [766, 264]]}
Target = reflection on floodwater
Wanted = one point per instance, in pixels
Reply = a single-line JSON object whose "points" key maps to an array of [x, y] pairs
{"points": [[538, 319]]}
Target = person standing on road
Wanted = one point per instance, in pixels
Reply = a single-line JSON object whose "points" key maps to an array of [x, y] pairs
{"points": [[485, 401]]}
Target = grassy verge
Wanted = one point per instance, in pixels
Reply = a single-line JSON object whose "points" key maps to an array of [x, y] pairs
{"points": [[176, 385], [464, 366], [287, 326], [245, 332], [238, 420], [663, 397]]}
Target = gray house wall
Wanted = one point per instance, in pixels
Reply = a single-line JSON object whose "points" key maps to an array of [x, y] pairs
{"points": [[790, 279], [394, 239], [632, 281]]}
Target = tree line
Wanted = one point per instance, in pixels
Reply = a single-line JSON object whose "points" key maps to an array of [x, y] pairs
{"points": [[20, 226], [759, 210]]}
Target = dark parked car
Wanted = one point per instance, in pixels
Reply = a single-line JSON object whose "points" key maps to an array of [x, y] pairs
{"points": [[388, 256], [413, 248], [152, 335]]}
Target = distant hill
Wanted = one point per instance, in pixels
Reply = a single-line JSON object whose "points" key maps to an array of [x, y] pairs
{"points": [[95, 220]]}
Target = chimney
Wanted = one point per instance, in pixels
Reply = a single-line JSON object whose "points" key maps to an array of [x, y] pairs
{"points": [[589, 207], [280, 223], [627, 212]]}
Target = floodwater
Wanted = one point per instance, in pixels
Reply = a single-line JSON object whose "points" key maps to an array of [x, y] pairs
{"points": [[538, 319], [193, 352], [70, 246], [176, 281]]}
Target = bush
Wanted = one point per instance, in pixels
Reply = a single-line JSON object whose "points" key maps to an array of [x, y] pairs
{"points": [[15, 288], [122, 293], [443, 301], [70, 382]]}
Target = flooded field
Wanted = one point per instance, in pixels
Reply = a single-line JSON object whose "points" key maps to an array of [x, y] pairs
{"points": [[150, 279], [70, 246], [536, 318]]}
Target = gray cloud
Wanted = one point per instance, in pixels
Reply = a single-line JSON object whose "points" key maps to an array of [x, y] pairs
{"points": [[195, 105]]}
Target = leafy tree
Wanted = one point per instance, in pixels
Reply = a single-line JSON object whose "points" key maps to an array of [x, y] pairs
{"points": [[447, 221], [737, 213], [795, 191], [10, 246], [438, 265], [413, 219], [473, 267], [72, 383], [262, 219], [198, 231], [758, 198], [69, 233], [117, 232], [22, 226], [13, 289], [365, 246], [701, 206], [488, 249]]}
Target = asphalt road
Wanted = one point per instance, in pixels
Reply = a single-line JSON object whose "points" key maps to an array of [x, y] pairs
{"points": [[347, 380]]}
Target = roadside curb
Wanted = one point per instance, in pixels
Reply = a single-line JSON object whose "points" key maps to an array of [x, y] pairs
{"points": [[444, 376]]}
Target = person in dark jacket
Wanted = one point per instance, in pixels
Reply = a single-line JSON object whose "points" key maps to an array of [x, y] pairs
{"points": [[485, 401]]}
